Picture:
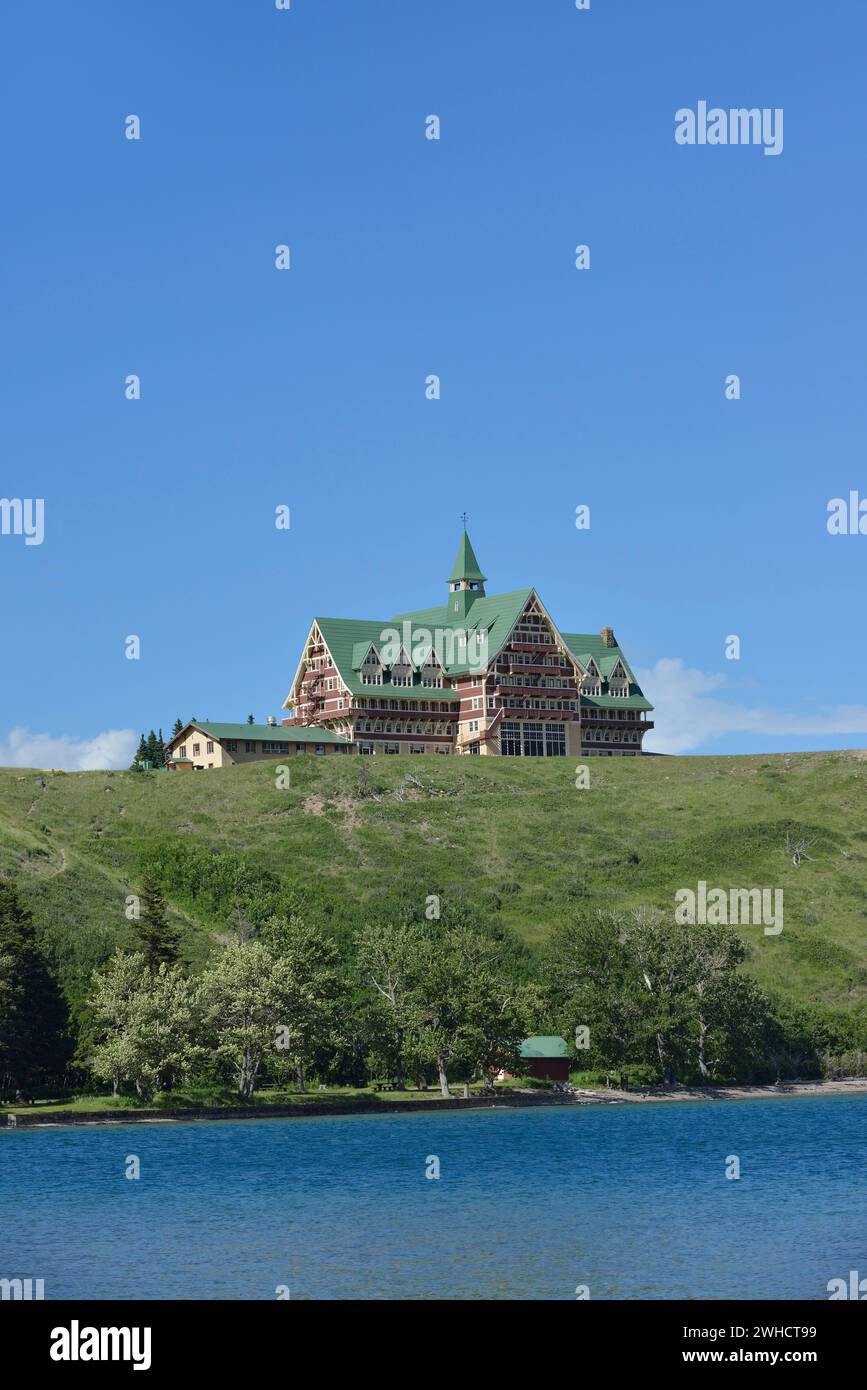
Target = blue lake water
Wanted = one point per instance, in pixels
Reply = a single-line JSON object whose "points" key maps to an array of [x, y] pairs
{"points": [[630, 1200]]}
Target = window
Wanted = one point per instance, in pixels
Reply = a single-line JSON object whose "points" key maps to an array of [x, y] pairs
{"points": [[365, 748], [392, 748], [209, 747], [533, 740], [555, 740], [182, 752], [249, 747], [232, 746], [196, 747], [273, 747], [301, 748], [320, 748], [510, 739], [473, 726], [473, 748], [527, 740]]}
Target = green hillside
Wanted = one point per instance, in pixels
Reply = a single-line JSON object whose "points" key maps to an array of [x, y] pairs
{"points": [[516, 837]]}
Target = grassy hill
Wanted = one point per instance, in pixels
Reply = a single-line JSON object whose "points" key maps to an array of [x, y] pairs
{"points": [[516, 837]]}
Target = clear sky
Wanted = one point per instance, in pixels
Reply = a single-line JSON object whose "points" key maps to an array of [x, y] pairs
{"points": [[560, 387]]}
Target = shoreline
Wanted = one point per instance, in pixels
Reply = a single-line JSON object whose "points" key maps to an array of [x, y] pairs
{"points": [[61, 1119]]}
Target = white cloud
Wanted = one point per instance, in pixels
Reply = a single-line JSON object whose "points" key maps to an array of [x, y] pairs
{"points": [[114, 748], [689, 716]]}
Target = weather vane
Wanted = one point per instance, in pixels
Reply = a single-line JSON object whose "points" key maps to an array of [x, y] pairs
{"points": [[464, 519]]}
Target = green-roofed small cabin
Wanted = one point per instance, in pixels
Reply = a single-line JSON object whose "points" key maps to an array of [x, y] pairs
{"points": [[200, 746], [476, 673], [546, 1058]]}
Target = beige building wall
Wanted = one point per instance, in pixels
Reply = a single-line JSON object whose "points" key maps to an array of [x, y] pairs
{"points": [[196, 746], [213, 752]]}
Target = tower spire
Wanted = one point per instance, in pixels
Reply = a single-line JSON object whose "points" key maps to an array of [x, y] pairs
{"points": [[466, 581]]}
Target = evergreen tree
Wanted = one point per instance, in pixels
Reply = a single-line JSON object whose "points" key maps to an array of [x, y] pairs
{"points": [[160, 749], [250, 719], [141, 753], [34, 1044], [160, 940], [151, 746], [177, 729]]}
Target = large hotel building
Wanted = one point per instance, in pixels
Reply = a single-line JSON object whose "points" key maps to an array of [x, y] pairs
{"points": [[478, 674]]}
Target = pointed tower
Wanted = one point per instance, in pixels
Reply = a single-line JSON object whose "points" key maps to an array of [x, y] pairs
{"points": [[466, 581]]}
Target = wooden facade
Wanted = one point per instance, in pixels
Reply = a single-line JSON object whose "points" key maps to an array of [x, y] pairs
{"points": [[525, 689]]}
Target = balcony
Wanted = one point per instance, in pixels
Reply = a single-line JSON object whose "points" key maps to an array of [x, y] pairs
{"points": [[631, 721], [527, 711], [536, 668], [518, 681]]}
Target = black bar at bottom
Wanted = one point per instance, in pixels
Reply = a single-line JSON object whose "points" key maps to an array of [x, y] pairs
{"points": [[66, 1337]]}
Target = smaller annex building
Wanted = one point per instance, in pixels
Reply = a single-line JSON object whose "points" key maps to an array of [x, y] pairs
{"points": [[200, 746], [547, 1058]]}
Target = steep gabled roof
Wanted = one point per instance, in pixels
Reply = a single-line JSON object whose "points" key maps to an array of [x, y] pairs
{"points": [[361, 651], [346, 637], [494, 614], [466, 566], [583, 646]]}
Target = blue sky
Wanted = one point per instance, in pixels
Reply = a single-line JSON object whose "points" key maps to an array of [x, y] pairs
{"points": [[560, 387]]}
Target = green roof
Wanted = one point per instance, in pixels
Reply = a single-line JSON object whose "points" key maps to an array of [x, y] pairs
{"points": [[270, 733], [349, 639], [583, 646], [634, 700], [494, 614], [544, 1047], [466, 566]]}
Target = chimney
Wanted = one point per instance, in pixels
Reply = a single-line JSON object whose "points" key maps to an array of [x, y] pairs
{"points": [[607, 635], [271, 720]]}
